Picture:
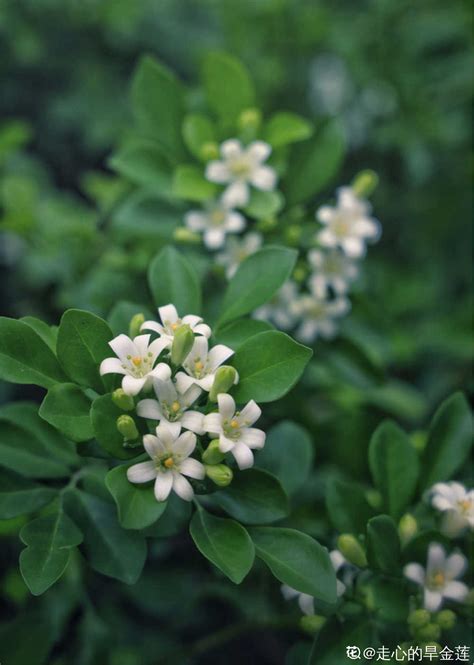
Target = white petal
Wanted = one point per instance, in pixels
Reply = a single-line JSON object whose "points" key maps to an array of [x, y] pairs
{"points": [[123, 346], [149, 408], [353, 247], [174, 428], [306, 603], [131, 385], [183, 382], [111, 366], [193, 421], [288, 592], [167, 433], [153, 446], [234, 222], [455, 566], [163, 485], [318, 285], [217, 172], [307, 332], [253, 438], [250, 413], [415, 572], [184, 444], [226, 405], [436, 558], [236, 195], [231, 149], [202, 329], [168, 314], [458, 490], [432, 600], [212, 423], [325, 214], [190, 396], [192, 468], [225, 444], [182, 487], [326, 238], [218, 355], [152, 325], [243, 456], [340, 588], [264, 178], [191, 320], [367, 228], [453, 523], [196, 221], [141, 473], [455, 590], [214, 238], [162, 372], [142, 342], [337, 559], [259, 151], [315, 258], [158, 346], [206, 382]]}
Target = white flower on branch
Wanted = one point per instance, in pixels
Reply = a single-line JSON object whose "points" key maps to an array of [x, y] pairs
{"points": [[331, 269], [457, 505], [214, 223], [236, 250], [170, 322], [201, 365]]}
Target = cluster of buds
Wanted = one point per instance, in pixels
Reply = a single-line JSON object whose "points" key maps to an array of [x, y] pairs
{"points": [[178, 384]]}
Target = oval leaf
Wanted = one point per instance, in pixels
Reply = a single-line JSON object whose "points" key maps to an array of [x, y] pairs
{"points": [[19, 496], [383, 545], [172, 279], [229, 89], [66, 408], [136, 504]]}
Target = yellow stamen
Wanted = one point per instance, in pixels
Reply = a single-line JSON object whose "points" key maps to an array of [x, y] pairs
{"points": [[464, 504], [198, 365], [234, 423], [439, 579], [136, 360], [175, 407], [174, 326], [168, 463]]}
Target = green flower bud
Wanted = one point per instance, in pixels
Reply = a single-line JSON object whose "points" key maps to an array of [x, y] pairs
{"points": [[209, 150], [374, 498], [127, 428], [419, 618], [446, 619], [364, 183], [182, 234], [407, 528], [224, 379], [135, 324], [250, 119], [267, 224], [122, 400], [183, 341], [352, 550], [419, 439], [312, 623], [428, 633], [212, 455], [220, 474], [293, 234]]}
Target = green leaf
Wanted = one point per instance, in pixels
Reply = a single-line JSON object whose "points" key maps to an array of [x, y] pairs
{"points": [[144, 217], [234, 334], [25, 357], [175, 518], [224, 542], [257, 279], [49, 541], [285, 127], [136, 504], [269, 364], [449, 441], [104, 414], [47, 333], [82, 345], [288, 454], [172, 279], [389, 600], [229, 89], [263, 205], [197, 131], [122, 313], [254, 497], [66, 408], [144, 163], [383, 545], [189, 183], [110, 550], [348, 507], [297, 560], [313, 163], [20, 497], [394, 466], [158, 103]]}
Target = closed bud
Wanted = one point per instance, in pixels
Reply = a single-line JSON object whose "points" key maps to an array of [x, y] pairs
{"points": [[374, 498], [419, 618], [220, 474], [364, 183], [224, 379], [352, 550], [183, 341], [209, 150], [407, 528], [135, 325], [267, 224], [212, 454], [122, 400], [181, 234], [293, 234], [446, 619], [429, 632], [127, 428], [312, 623], [250, 119]]}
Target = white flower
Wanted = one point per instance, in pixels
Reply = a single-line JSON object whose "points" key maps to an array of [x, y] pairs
{"points": [[348, 570], [457, 504], [241, 167], [236, 250], [232, 428], [348, 225], [330, 269], [281, 309], [170, 462], [170, 322], [136, 360], [318, 316], [214, 222], [201, 365], [171, 408], [439, 580], [305, 601]]}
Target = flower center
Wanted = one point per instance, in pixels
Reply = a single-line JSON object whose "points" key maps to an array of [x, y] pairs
{"points": [[168, 463], [137, 361], [175, 407], [217, 217], [139, 366], [199, 368], [240, 168], [173, 411], [232, 428], [341, 226], [437, 580], [464, 505]]}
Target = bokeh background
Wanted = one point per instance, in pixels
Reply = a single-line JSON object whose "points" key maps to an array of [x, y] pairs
{"points": [[399, 76]]}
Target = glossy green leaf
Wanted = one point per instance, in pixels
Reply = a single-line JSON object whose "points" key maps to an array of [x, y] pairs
{"points": [[348, 507], [82, 345], [257, 279], [288, 454], [189, 183], [25, 357], [174, 520], [254, 497], [394, 466], [224, 542], [19, 496], [136, 504], [144, 163], [172, 279], [269, 364], [197, 131], [449, 441], [297, 560], [229, 89], [263, 205], [47, 333], [104, 414], [383, 545], [285, 127], [123, 312], [234, 334], [66, 408]]}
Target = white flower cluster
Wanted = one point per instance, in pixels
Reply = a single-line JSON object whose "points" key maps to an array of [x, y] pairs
{"points": [[146, 366], [348, 226], [456, 503]]}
